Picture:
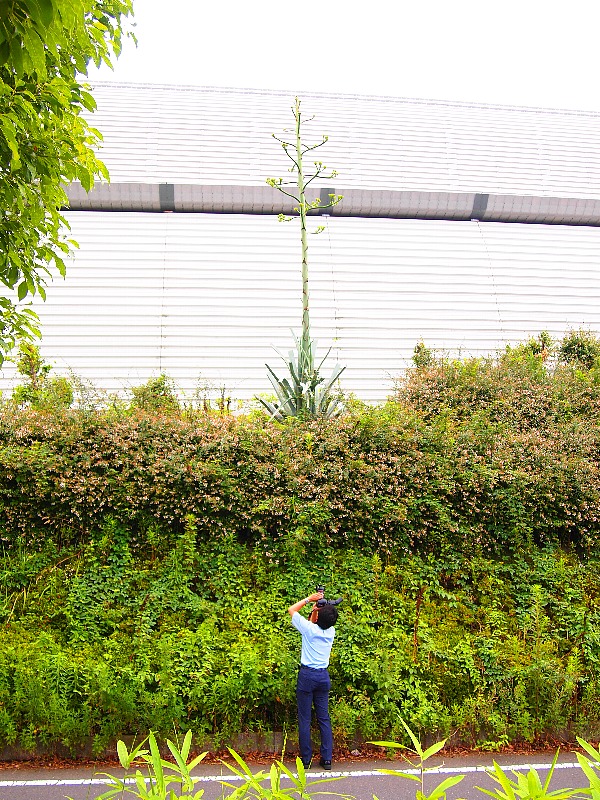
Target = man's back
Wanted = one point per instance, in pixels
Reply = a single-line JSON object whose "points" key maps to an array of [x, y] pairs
{"points": [[316, 642]]}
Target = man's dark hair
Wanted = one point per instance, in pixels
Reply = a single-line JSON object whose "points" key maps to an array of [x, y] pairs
{"points": [[327, 617]]}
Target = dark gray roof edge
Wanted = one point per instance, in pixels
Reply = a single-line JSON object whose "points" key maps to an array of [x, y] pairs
{"points": [[372, 203], [343, 96]]}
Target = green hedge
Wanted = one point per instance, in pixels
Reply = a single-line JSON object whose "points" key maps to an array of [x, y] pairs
{"points": [[385, 478]]}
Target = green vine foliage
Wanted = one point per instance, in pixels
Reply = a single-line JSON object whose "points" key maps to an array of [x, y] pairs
{"points": [[128, 635]]}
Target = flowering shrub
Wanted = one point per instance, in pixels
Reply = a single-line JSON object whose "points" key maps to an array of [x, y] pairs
{"points": [[397, 479]]}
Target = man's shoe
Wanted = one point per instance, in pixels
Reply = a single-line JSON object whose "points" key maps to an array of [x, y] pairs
{"points": [[306, 764], [325, 764]]}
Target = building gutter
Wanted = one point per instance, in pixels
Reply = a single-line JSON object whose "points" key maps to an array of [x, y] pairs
{"points": [[371, 203]]}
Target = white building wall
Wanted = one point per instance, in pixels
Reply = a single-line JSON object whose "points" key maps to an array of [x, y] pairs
{"points": [[206, 297], [194, 135]]}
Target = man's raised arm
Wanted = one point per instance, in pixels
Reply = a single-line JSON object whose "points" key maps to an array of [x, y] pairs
{"points": [[301, 603]]}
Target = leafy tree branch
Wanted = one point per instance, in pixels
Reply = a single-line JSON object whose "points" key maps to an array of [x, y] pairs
{"points": [[46, 141]]}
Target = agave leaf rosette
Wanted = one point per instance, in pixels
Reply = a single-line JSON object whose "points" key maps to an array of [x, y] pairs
{"points": [[304, 392]]}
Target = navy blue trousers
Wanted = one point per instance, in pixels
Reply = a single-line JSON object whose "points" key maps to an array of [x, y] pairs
{"points": [[313, 689]]}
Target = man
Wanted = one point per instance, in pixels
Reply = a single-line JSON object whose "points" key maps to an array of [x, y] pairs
{"points": [[313, 678]]}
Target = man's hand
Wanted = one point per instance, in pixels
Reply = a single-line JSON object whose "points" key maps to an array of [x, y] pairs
{"points": [[313, 598]]}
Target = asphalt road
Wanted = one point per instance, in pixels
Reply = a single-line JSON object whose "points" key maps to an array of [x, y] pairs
{"points": [[360, 780]]}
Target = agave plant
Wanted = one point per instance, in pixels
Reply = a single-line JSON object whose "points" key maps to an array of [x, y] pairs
{"points": [[304, 392]]}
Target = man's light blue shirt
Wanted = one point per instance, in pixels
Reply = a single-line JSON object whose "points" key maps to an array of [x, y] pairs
{"points": [[316, 643]]}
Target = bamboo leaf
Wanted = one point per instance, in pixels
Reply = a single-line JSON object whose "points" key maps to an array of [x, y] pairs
{"points": [[195, 761], [389, 745], [399, 773], [550, 773], [185, 748], [491, 793], [243, 765], [588, 770], [123, 754], [413, 738], [498, 774], [180, 761], [590, 749], [156, 762], [443, 787], [435, 748]]}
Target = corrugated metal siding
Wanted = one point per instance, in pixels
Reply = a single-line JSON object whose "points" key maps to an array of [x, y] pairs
{"points": [[220, 137], [207, 297]]}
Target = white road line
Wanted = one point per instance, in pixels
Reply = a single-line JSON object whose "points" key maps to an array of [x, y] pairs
{"points": [[350, 774]]}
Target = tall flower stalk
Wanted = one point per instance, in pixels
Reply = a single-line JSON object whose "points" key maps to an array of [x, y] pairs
{"points": [[305, 393]]}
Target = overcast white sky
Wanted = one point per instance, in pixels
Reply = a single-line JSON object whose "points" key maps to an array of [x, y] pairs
{"points": [[521, 53]]}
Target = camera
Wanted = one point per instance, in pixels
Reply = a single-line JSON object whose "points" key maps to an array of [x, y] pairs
{"points": [[324, 602]]}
